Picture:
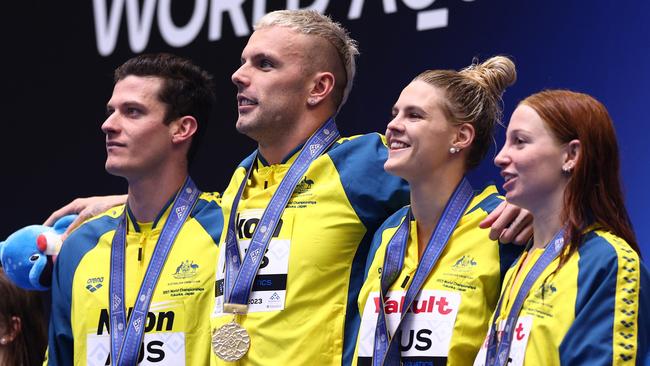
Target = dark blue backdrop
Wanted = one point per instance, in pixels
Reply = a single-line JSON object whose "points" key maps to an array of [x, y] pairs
{"points": [[56, 82]]}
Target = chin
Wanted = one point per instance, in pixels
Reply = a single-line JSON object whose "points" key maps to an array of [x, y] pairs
{"points": [[244, 126], [389, 166], [247, 121], [115, 169], [516, 199], [393, 168]]}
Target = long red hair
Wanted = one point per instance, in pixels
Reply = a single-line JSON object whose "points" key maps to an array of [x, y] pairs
{"points": [[593, 193]]}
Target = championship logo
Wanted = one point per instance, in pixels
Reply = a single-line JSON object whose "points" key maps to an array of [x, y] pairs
{"points": [[275, 297]]}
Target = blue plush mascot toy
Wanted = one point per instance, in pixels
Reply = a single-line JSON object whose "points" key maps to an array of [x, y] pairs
{"points": [[28, 254]]}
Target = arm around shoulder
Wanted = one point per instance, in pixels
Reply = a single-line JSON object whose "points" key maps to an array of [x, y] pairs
{"points": [[85, 208]]}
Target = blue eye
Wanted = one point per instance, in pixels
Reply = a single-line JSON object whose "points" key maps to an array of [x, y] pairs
{"points": [[264, 63]]}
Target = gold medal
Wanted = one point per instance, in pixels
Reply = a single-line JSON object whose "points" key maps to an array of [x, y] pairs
{"points": [[230, 342]]}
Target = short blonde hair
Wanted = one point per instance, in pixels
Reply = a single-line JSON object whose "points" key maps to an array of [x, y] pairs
{"points": [[310, 22]]}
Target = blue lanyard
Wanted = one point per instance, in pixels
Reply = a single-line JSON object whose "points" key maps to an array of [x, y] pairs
{"points": [[240, 274], [498, 352], [386, 349], [126, 338]]}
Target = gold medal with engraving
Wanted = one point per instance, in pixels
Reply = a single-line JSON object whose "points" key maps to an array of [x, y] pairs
{"points": [[230, 342]]}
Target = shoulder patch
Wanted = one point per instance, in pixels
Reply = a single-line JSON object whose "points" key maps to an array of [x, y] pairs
{"points": [[486, 200], [373, 193], [82, 240], [208, 213], [343, 140]]}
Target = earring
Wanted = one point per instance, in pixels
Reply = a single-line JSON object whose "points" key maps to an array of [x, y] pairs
{"points": [[3, 341], [567, 169], [311, 101], [453, 150]]}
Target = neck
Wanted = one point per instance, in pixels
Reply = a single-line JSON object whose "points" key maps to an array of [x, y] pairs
{"points": [[275, 152], [148, 195], [429, 196], [548, 221], [278, 146]]}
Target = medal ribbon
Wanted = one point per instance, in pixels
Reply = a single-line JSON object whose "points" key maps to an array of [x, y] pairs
{"points": [[126, 338], [386, 351], [498, 352], [240, 274]]}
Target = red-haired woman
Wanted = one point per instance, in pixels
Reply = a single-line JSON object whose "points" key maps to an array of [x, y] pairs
{"points": [[577, 295], [23, 332]]}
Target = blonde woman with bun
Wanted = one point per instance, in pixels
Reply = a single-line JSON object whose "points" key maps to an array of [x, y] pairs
{"points": [[435, 277]]}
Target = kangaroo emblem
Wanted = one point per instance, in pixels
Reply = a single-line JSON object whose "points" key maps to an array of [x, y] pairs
{"points": [[307, 182]]}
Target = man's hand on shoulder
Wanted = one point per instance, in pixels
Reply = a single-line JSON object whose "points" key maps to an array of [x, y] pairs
{"points": [[509, 224], [85, 208]]}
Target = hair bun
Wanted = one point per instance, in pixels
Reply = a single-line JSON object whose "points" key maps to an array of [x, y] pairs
{"points": [[496, 74]]}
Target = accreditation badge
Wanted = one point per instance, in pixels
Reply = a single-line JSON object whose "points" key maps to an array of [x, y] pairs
{"points": [[426, 330], [269, 288], [163, 342], [519, 342], [164, 348]]}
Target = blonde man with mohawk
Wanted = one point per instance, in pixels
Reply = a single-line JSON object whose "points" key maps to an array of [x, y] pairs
{"points": [[312, 23], [329, 194]]}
